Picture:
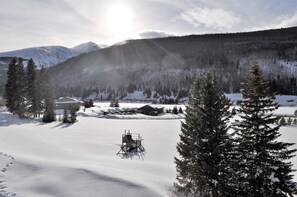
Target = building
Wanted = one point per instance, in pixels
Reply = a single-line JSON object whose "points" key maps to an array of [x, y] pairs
{"points": [[149, 110], [68, 103]]}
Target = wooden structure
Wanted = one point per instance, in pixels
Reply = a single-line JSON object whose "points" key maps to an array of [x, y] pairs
{"points": [[67, 103], [131, 142], [149, 110]]}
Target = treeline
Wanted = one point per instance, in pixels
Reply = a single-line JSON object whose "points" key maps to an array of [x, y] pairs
{"points": [[284, 85], [120, 92], [28, 92], [243, 159]]}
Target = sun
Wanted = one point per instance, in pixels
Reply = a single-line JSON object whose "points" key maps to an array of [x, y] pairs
{"points": [[119, 19]]}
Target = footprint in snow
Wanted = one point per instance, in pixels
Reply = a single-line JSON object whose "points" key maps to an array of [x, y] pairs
{"points": [[9, 161]]}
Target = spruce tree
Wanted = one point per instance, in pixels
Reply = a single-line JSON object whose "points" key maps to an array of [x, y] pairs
{"points": [[20, 89], [295, 121], [188, 181], [10, 86], [289, 122], [72, 118], [65, 116], [32, 95], [42, 87], [116, 103], [282, 121], [49, 100], [263, 169], [175, 110], [180, 110], [205, 147]]}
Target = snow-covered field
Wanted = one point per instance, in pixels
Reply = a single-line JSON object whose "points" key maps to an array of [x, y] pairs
{"points": [[70, 160]]}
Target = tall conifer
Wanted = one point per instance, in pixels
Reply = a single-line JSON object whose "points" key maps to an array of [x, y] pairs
{"points": [[48, 97], [20, 89], [205, 147], [10, 86], [263, 166], [32, 94]]}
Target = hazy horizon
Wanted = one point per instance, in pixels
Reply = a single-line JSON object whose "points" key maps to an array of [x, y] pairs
{"points": [[31, 23]]}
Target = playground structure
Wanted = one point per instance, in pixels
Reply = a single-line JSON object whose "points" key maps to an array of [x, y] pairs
{"points": [[131, 142]]}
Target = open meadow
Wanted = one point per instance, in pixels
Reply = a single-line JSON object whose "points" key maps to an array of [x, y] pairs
{"points": [[57, 159]]}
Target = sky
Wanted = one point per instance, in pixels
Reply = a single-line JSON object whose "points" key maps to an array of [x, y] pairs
{"points": [[31, 23]]}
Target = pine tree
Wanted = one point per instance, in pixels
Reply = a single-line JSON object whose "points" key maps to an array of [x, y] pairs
{"points": [[116, 103], [42, 87], [72, 118], [289, 122], [282, 122], [10, 86], [112, 102], [49, 100], [188, 181], [175, 110], [39, 93], [205, 147], [65, 116], [32, 96], [295, 121], [20, 89], [180, 110], [262, 166]]}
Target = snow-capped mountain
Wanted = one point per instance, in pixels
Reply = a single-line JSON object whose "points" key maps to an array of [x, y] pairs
{"points": [[51, 55], [86, 47]]}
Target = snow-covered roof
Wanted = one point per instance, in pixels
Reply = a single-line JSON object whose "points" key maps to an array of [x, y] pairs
{"points": [[67, 100]]}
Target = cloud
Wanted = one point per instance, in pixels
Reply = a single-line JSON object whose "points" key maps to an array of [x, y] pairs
{"points": [[288, 21], [214, 18], [154, 34], [280, 22]]}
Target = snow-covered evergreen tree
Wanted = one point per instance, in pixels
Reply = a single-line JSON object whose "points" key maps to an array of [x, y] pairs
{"points": [[282, 121], [205, 148], [49, 99], [10, 86], [72, 118], [20, 89], [32, 95], [295, 121], [175, 110], [289, 122], [116, 103], [180, 110], [65, 116], [262, 167]]}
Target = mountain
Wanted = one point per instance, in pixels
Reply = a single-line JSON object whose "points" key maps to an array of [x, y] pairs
{"points": [[86, 47], [168, 65], [51, 55]]}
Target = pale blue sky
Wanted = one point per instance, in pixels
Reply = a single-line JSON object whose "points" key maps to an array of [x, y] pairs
{"points": [[29, 23]]}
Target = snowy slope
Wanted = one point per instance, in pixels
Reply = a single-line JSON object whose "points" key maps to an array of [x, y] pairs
{"points": [[80, 159], [74, 160], [86, 47], [51, 55]]}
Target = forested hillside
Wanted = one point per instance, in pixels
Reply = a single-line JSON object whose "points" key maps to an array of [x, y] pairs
{"points": [[164, 67], [168, 65]]}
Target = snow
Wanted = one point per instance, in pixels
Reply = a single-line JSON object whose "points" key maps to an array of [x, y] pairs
{"points": [[80, 159], [57, 159], [86, 47], [51, 55]]}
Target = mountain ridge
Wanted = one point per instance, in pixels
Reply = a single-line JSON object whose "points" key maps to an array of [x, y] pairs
{"points": [[169, 64], [51, 55]]}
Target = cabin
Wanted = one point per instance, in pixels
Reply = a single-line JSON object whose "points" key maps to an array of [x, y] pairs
{"points": [[67, 103], [149, 110]]}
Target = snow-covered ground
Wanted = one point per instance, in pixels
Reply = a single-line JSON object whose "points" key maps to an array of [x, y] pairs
{"points": [[57, 159]]}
